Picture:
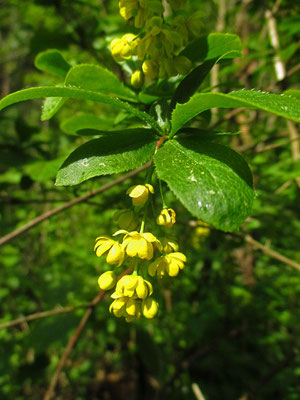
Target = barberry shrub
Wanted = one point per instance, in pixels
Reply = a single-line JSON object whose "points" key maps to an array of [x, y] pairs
{"points": [[164, 62]]}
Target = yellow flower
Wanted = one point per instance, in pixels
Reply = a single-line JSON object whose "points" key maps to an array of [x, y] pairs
{"points": [[128, 8], [137, 79], [167, 217], [132, 286], [150, 68], [140, 245], [112, 249], [126, 307], [122, 49], [169, 245], [149, 307], [107, 280], [140, 193], [126, 219], [170, 264]]}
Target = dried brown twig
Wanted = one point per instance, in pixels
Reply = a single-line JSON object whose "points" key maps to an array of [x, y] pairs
{"points": [[69, 204]]}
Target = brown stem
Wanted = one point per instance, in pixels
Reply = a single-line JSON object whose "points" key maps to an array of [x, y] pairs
{"points": [[50, 392], [42, 314], [274, 254], [69, 204]]}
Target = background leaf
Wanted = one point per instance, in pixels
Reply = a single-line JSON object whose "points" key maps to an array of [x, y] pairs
{"points": [[84, 121], [212, 46], [284, 106], [212, 181], [98, 79], [52, 61], [105, 156]]}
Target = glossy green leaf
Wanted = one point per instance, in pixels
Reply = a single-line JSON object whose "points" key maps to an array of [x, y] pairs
{"points": [[282, 105], [89, 77], [53, 62], [205, 133], [98, 79], [293, 93], [105, 155], [212, 181], [51, 91], [212, 46], [190, 83], [84, 121]]}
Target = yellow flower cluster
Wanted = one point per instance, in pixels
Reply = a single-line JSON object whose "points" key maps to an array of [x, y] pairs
{"points": [[159, 43], [132, 296]]}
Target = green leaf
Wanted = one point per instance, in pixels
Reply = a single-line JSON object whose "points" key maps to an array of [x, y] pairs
{"points": [[50, 107], [212, 46], [212, 181], [206, 133], [41, 171], [293, 93], [190, 83], [52, 91], [89, 77], [105, 156], [84, 121], [98, 79], [282, 105], [53, 62]]}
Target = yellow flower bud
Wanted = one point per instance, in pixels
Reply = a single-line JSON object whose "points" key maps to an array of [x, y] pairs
{"points": [[183, 65], [107, 280], [140, 193], [167, 217], [149, 307], [126, 219], [122, 49], [150, 69], [169, 245], [128, 8], [137, 79]]}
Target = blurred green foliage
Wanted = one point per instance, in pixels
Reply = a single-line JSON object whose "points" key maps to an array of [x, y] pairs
{"points": [[230, 321]]}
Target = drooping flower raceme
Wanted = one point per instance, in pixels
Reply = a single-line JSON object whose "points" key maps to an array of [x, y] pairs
{"points": [[159, 44], [141, 251]]}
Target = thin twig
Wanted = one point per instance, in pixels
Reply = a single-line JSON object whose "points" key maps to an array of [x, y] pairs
{"points": [[69, 204], [197, 392], [50, 392], [274, 40], [272, 253], [294, 138], [43, 314], [252, 394]]}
